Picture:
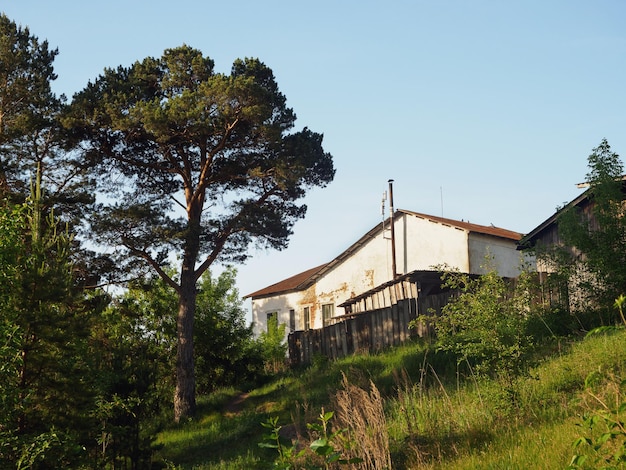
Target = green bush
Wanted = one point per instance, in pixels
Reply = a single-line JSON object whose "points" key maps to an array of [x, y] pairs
{"points": [[486, 324], [273, 346]]}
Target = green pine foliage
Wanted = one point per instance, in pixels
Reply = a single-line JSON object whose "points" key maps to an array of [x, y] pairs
{"points": [[47, 326], [10, 334], [31, 136]]}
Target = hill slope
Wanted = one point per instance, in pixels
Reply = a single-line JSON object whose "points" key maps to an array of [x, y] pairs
{"points": [[436, 415]]}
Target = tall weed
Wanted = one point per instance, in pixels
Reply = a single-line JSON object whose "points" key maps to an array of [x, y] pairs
{"points": [[361, 412]]}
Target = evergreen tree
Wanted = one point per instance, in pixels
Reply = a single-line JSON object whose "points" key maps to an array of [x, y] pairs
{"points": [[196, 163], [31, 136], [49, 322], [10, 334], [45, 317]]}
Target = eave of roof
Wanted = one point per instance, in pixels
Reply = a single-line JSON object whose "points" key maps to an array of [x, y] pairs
{"points": [[292, 283], [528, 240], [470, 227], [414, 276]]}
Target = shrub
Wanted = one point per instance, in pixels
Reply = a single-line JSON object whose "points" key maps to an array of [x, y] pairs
{"points": [[273, 346], [486, 324]]}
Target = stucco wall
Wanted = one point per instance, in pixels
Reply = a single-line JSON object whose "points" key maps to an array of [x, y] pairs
{"points": [[283, 304], [424, 244], [506, 259], [364, 269]]}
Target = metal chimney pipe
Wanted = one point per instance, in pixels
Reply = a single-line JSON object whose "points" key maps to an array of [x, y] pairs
{"points": [[393, 232]]}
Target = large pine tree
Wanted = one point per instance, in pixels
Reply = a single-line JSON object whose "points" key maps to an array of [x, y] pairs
{"points": [[44, 319], [194, 163]]}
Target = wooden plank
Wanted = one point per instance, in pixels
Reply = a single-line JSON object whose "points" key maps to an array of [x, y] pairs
{"points": [[377, 333], [395, 324], [323, 342], [373, 332], [364, 332], [358, 333], [306, 345], [371, 337], [388, 327], [344, 339], [350, 337]]}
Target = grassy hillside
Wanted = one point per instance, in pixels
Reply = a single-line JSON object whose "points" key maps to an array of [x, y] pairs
{"points": [[436, 415]]}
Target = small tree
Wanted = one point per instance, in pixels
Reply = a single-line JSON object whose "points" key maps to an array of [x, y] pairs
{"points": [[47, 323], [226, 353], [225, 347], [11, 219], [273, 346], [593, 250], [133, 367]]}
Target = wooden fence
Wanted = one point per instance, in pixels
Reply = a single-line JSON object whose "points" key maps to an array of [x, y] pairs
{"points": [[374, 326], [369, 331]]}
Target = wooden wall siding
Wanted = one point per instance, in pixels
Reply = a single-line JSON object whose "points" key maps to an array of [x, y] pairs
{"points": [[386, 297], [366, 332]]}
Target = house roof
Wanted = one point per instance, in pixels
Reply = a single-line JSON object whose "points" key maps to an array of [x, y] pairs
{"points": [[309, 277], [292, 283], [470, 227], [529, 239]]}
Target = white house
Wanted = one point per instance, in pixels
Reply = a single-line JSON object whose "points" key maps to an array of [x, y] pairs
{"points": [[422, 242]]}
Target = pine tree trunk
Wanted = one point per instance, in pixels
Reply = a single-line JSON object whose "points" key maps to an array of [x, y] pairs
{"points": [[185, 393]]}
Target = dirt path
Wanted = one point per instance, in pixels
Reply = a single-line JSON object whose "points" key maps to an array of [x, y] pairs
{"points": [[236, 404]]}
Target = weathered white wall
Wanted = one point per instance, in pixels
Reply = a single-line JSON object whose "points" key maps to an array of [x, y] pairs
{"points": [[281, 304], [366, 268], [425, 244], [504, 257]]}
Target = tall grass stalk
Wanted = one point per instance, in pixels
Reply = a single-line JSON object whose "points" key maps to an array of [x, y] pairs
{"points": [[362, 413]]}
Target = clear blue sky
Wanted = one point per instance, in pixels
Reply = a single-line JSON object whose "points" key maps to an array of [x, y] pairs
{"points": [[479, 110]]}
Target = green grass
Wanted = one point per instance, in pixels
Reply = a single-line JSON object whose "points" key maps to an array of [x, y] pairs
{"points": [[436, 417]]}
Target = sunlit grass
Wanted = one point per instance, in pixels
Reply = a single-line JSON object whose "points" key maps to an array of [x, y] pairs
{"points": [[485, 426], [437, 418]]}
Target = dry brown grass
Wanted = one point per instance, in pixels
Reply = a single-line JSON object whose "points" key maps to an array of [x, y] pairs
{"points": [[362, 413]]}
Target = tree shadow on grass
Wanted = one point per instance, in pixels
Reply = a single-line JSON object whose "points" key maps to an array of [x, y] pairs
{"points": [[213, 439]]}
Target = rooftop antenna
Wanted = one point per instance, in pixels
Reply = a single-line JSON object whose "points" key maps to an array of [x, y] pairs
{"points": [[382, 211], [441, 196]]}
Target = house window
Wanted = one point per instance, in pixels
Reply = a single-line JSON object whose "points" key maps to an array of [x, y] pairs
{"points": [[328, 311], [272, 319], [306, 317], [292, 320]]}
